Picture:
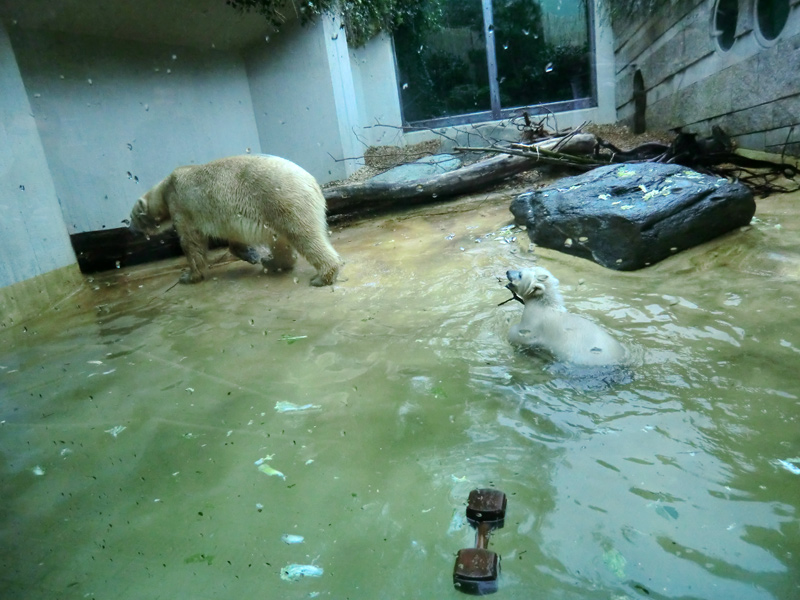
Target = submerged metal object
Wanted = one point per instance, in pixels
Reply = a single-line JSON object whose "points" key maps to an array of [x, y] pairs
{"points": [[477, 570]]}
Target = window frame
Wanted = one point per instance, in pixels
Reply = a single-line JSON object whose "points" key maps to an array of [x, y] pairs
{"points": [[497, 112]]}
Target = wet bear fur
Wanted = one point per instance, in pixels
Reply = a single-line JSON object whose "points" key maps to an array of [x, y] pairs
{"points": [[547, 326], [256, 203]]}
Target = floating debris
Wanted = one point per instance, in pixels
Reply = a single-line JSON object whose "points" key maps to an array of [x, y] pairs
{"points": [[115, 431], [789, 465], [266, 469], [199, 558], [615, 562], [37, 470], [295, 572], [288, 538], [291, 339], [458, 521], [662, 510], [282, 407]]}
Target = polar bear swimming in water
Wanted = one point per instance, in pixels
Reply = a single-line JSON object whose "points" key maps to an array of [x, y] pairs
{"points": [[250, 201], [546, 324]]}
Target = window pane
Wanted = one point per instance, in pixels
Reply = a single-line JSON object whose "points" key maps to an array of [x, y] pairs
{"points": [[542, 51], [441, 59]]}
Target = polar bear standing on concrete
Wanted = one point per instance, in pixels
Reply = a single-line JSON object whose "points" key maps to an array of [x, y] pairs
{"points": [[249, 201], [546, 324]]}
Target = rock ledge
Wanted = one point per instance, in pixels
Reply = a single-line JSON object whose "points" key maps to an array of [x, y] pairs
{"points": [[629, 216]]}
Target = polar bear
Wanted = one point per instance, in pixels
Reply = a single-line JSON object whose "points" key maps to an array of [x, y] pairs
{"points": [[546, 324], [250, 201]]}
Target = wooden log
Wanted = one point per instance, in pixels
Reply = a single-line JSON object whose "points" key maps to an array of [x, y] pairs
{"points": [[372, 194], [119, 247], [576, 143]]}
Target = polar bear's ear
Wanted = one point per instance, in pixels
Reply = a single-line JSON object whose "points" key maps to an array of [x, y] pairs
{"points": [[537, 289], [141, 206]]}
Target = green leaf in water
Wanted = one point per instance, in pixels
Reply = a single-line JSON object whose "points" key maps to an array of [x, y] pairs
{"points": [[266, 469], [291, 339], [199, 558], [615, 562]]}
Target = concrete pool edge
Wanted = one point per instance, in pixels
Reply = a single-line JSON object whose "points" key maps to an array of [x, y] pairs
{"points": [[31, 297]]}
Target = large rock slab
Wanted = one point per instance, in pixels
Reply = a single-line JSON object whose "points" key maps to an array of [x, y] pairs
{"points": [[425, 167], [629, 216]]}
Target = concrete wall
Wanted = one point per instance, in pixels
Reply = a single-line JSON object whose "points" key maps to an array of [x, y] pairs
{"points": [[294, 100], [751, 90], [378, 100], [116, 116], [33, 238], [604, 66]]}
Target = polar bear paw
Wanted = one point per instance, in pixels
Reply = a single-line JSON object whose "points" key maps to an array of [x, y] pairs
{"points": [[323, 278], [189, 277]]}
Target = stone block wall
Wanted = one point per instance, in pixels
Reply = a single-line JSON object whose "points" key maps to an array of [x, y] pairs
{"points": [[751, 89]]}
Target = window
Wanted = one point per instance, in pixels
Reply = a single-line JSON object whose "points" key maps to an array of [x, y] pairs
{"points": [[771, 17], [476, 60], [726, 14]]}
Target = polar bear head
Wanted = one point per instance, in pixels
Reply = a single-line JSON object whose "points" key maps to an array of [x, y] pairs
{"points": [[151, 209], [536, 284]]}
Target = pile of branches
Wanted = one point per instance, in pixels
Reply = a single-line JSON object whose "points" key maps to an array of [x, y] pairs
{"points": [[713, 155], [574, 150]]}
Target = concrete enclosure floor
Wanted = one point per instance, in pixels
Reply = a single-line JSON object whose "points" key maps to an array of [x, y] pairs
{"points": [[146, 449]]}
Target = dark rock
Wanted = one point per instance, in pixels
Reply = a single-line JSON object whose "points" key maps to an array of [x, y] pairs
{"points": [[629, 216]]}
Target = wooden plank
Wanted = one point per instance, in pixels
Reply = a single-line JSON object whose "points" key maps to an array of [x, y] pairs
{"points": [[116, 248]]}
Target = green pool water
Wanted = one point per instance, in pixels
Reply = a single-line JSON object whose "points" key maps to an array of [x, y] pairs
{"points": [[133, 416]]}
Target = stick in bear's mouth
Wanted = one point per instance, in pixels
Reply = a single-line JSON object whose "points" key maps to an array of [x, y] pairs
{"points": [[514, 296]]}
